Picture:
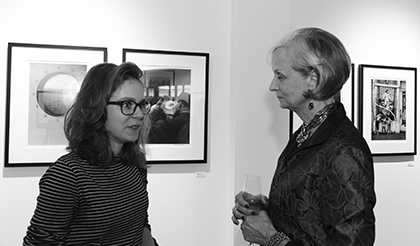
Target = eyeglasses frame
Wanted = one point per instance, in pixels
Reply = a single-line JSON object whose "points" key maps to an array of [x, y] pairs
{"points": [[143, 103]]}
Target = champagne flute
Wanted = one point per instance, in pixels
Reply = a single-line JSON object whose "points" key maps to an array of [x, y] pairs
{"points": [[252, 193]]}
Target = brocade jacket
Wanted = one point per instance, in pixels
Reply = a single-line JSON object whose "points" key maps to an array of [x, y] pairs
{"points": [[322, 192]]}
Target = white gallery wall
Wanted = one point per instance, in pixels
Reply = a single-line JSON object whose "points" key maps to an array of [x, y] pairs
{"points": [[247, 129]]}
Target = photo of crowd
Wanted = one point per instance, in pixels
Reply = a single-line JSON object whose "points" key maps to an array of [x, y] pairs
{"points": [[168, 91]]}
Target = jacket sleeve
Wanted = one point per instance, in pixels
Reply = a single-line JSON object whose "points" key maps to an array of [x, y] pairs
{"points": [[347, 198], [56, 204]]}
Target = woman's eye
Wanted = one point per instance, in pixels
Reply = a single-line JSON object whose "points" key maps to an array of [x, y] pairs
{"points": [[279, 76], [128, 104]]}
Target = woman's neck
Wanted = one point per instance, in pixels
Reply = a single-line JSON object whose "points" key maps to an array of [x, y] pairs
{"points": [[306, 115], [308, 128]]}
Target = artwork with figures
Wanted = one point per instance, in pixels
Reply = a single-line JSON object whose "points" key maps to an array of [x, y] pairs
{"points": [[177, 87], [388, 109], [169, 91]]}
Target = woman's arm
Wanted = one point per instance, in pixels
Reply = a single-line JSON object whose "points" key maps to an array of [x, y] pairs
{"points": [[349, 198], [56, 202]]}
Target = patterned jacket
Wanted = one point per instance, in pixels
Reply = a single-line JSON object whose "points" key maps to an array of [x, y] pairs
{"points": [[322, 192]]}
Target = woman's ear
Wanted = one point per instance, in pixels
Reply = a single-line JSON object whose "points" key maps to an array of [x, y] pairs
{"points": [[312, 80]]}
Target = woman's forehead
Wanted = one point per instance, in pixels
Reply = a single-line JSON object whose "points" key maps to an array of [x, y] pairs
{"points": [[129, 88], [281, 60]]}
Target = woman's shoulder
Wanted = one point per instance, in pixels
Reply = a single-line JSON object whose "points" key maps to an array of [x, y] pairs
{"points": [[67, 163], [61, 171], [70, 159], [348, 145], [348, 134]]}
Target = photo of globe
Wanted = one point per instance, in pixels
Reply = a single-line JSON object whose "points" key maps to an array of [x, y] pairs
{"points": [[56, 92]]}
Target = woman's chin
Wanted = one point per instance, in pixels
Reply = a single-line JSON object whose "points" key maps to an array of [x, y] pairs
{"points": [[283, 106]]}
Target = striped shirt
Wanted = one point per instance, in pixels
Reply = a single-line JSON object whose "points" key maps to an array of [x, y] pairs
{"points": [[80, 204]]}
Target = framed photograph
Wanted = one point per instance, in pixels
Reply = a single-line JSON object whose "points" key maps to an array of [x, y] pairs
{"points": [[42, 81], [177, 87], [388, 108], [346, 97]]}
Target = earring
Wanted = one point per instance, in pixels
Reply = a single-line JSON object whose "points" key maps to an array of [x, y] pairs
{"points": [[311, 105]]}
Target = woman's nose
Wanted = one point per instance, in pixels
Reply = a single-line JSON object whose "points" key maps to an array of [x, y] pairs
{"points": [[274, 85], [138, 113]]}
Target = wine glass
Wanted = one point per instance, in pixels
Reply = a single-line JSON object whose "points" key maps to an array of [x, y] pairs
{"points": [[252, 193]]}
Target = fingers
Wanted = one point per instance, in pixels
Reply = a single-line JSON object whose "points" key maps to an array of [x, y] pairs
{"points": [[235, 220], [240, 201], [241, 204], [241, 209], [237, 215], [264, 200]]}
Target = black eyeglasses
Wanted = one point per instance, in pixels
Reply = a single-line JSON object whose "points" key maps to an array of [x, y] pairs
{"points": [[128, 107]]}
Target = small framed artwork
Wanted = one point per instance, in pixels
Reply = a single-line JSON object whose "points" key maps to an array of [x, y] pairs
{"points": [[42, 81], [177, 86], [388, 109], [346, 97]]}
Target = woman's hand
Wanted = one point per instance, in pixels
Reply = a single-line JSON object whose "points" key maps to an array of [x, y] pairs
{"points": [[147, 237], [257, 228], [241, 208]]}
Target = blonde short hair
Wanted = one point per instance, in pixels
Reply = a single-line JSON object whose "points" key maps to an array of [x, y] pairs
{"points": [[314, 49]]}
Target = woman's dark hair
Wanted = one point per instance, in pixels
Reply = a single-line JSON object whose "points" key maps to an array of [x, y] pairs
{"points": [[84, 123]]}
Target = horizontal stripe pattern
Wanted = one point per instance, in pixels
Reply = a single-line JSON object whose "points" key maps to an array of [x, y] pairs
{"points": [[80, 204]]}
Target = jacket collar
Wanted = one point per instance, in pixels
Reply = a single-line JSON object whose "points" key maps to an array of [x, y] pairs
{"points": [[323, 132]]}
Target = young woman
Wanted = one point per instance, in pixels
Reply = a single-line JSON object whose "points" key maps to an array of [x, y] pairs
{"points": [[97, 193]]}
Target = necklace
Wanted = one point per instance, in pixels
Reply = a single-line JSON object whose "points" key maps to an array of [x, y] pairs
{"points": [[319, 117]]}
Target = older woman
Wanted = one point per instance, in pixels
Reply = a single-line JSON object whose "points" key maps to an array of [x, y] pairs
{"points": [[97, 193], [322, 192]]}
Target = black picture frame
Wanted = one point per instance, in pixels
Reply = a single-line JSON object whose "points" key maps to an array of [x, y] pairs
{"points": [[388, 109], [346, 97], [42, 79], [169, 73]]}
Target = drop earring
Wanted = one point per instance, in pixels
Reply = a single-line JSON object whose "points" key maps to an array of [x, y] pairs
{"points": [[311, 105]]}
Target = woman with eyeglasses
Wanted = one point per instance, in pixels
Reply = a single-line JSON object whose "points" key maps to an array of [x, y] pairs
{"points": [[97, 193]]}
